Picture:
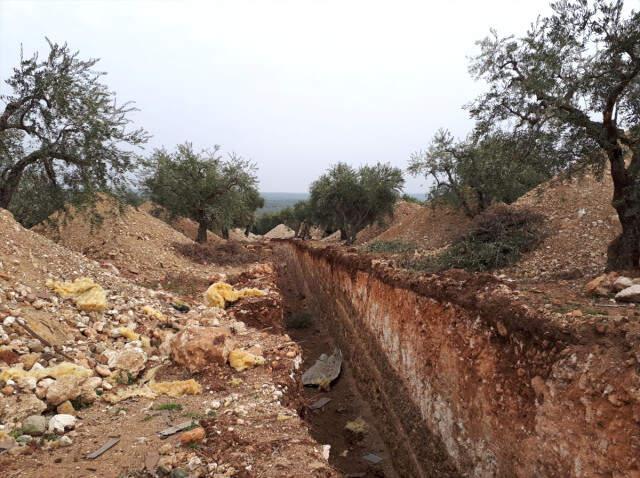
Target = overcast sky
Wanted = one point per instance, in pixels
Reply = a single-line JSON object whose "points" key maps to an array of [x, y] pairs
{"points": [[294, 85]]}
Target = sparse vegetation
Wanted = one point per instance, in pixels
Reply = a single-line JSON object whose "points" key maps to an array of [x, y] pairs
{"points": [[170, 406], [500, 235], [393, 247]]}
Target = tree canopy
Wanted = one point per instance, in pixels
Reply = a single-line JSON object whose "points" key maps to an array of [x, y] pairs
{"points": [[215, 192], [62, 130], [350, 199], [575, 73]]}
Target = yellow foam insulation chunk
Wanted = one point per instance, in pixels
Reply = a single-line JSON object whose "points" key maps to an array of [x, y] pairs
{"points": [[57, 371], [129, 392], [176, 388], [128, 333], [218, 294], [153, 313], [357, 426], [242, 360], [146, 342], [87, 295]]}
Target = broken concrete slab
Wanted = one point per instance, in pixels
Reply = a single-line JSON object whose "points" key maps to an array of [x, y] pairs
{"points": [[324, 371]]}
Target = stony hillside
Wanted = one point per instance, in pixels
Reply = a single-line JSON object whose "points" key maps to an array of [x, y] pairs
{"points": [[101, 364]]}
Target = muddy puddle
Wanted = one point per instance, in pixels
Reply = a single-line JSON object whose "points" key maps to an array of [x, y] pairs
{"points": [[354, 453]]}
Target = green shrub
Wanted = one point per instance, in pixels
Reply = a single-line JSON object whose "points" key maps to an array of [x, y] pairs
{"points": [[499, 236], [168, 406], [393, 247]]}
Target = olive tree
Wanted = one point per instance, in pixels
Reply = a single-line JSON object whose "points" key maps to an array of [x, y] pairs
{"points": [[350, 199], [61, 127], [488, 166], [576, 71], [213, 191]]}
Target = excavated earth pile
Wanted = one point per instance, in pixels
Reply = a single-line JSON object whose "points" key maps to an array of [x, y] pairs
{"points": [[468, 380], [140, 246]]}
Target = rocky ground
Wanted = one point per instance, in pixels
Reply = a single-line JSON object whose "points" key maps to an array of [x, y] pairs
{"points": [[92, 363]]}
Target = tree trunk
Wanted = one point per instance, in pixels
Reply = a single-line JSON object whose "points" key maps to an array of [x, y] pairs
{"points": [[202, 232], [225, 232], [624, 251], [6, 193]]}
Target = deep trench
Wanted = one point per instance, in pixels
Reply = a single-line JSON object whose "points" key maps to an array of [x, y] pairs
{"points": [[368, 387], [327, 424]]}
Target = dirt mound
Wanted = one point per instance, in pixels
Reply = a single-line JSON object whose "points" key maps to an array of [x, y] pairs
{"points": [[281, 231], [581, 224], [430, 227], [138, 244], [184, 225]]}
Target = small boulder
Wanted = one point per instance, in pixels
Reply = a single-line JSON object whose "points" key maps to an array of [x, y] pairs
{"points": [[197, 347], [192, 436], [63, 389], [66, 408], [630, 294], [103, 370], [88, 390], [42, 387], [61, 422], [34, 425], [601, 285], [131, 360], [17, 407], [622, 283]]}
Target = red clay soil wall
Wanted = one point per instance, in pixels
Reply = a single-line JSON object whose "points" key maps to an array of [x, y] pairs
{"points": [[469, 382]]}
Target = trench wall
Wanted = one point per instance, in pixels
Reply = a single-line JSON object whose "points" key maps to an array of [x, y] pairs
{"points": [[465, 380]]}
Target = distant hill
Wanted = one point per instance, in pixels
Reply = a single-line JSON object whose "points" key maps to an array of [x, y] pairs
{"points": [[274, 202]]}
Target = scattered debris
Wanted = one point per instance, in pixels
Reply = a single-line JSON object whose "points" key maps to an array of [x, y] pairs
{"points": [[372, 458], [326, 451], [357, 426], [108, 445], [167, 432], [321, 402]]}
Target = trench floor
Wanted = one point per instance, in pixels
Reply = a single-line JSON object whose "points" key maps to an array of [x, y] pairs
{"points": [[327, 424]]}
